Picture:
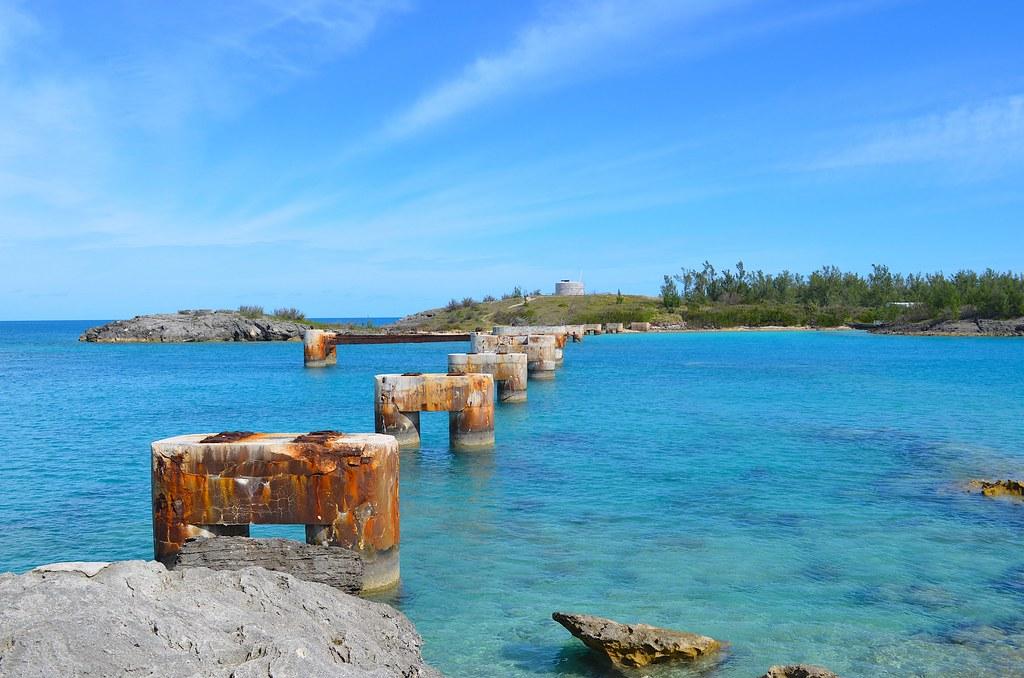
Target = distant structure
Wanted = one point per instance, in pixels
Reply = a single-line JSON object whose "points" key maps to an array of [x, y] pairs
{"points": [[569, 288]]}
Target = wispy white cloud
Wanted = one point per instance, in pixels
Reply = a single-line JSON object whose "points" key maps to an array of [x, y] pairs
{"points": [[581, 36], [76, 118], [990, 133]]}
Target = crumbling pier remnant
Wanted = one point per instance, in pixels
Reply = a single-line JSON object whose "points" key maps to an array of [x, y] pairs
{"points": [[468, 399], [593, 328], [541, 350], [320, 347], [613, 328], [342, 487], [508, 369]]}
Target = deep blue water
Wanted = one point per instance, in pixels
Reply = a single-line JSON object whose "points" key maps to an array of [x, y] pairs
{"points": [[796, 494]]}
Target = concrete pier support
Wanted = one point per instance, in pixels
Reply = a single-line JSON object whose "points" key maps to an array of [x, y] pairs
{"points": [[562, 333], [593, 328], [342, 487], [468, 399], [613, 328], [508, 369], [541, 350], [318, 349]]}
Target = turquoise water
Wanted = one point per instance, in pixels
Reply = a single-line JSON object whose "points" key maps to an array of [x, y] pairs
{"points": [[796, 494]]}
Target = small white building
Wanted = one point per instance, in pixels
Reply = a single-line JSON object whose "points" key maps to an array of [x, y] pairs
{"points": [[569, 288]]}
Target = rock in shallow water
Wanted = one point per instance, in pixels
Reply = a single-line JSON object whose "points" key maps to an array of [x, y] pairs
{"points": [[635, 645], [799, 671], [138, 618], [998, 488]]}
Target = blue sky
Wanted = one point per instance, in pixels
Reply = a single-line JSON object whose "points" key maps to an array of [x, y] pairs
{"points": [[376, 157]]}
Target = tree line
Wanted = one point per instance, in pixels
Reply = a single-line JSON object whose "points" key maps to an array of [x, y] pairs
{"points": [[990, 294]]}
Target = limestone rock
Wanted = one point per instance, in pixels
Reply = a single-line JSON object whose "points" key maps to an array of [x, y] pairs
{"points": [[138, 618], [799, 671], [981, 327], [194, 326], [998, 488], [332, 565], [635, 645]]}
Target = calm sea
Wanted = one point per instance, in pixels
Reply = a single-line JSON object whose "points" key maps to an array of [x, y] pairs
{"points": [[798, 495]]}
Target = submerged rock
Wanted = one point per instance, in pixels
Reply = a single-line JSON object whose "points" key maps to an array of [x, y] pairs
{"points": [[998, 488], [195, 326], [799, 671], [138, 618], [635, 645]]}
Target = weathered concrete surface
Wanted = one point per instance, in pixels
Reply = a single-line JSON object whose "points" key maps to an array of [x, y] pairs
{"points": [[634, 645], [998, 488], [342, 487], [194, 326], [508, 369], [593, 328], [799, 671], [318, 350], [468, 399], [541, 350], [613, 328], [136, 618], [335, 566], [561, 333], [640, 327], [1014, 327]]}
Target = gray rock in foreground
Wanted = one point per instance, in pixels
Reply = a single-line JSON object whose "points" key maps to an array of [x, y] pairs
{"points": [[332, 565], [635, 645], [194, 326], [138, 618], [799, 671]]}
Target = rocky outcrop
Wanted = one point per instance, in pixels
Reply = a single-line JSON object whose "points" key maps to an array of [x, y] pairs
{"points": [[980, 327], [799, 671], [998, 488], [332, 565], [138, 618], [634, 645], [195, 326]]}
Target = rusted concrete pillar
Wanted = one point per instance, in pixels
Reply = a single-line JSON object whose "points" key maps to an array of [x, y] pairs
{"points": [[318, 349], [508, 369], [468, 399], [342, 487], [541, 350]]}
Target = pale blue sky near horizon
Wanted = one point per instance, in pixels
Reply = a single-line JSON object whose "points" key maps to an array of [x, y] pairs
{"points": [[377, 157]]}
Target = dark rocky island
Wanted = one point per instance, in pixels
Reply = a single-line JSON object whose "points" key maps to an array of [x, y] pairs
{"points": [[138, 618], [195, 326], [979, 327]]}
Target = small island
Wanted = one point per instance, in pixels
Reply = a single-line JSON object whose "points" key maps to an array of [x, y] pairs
{"points": [[248, 323]]}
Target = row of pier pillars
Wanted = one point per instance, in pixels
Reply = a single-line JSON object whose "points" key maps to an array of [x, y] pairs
{"points": [[343, 487]]}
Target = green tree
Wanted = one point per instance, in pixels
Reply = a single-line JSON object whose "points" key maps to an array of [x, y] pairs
{"points": [[670, 293]]}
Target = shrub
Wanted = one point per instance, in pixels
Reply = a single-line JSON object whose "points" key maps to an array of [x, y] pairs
{"points": [[251, 311], [468, 302], [452, 305], [289, 314], [489, 298]]}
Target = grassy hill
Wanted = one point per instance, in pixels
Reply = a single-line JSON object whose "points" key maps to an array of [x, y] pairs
{"points": [[470, 315]]}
